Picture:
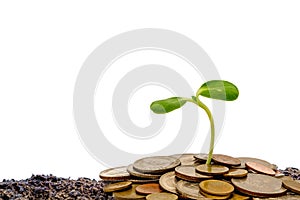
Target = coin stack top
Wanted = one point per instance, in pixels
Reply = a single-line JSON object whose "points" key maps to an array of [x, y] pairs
{"points": [[115, 174], [156, 164]]}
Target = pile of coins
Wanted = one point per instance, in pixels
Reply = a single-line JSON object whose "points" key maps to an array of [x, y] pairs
{"points": [[186, 176]]}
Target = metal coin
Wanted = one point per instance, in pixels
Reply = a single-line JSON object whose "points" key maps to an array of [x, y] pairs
{"points": [[117, 186], [133, 172], [161, 196], [259, 185], [226, 160], [148, 188], [128, 194], [274, 167], [186, 159], [285, 178], [115, 174], [236, 196], [260, 168], [212, 169], [142, 180], [156, 164], [216, 187], [188, 173], [210, 196], [292, 185], [248, 159], [285, 197], [168, 182], [189, 190], [236, 173], [278, 174], [202, 157]]}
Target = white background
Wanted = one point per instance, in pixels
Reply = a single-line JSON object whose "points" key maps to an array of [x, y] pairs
{"points": [[254, 44]]}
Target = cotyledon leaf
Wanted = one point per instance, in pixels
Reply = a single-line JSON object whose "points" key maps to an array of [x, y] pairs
{"points": [[167, 105], [219, 89]]}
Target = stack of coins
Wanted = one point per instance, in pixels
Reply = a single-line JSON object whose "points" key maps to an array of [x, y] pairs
{"points": [[187, 176]]}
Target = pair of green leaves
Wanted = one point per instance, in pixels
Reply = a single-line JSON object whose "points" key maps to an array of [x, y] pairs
{"points": [[215, 89]]}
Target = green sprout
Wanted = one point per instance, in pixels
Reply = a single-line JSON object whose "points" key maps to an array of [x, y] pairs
{"points": [[215, 89]]}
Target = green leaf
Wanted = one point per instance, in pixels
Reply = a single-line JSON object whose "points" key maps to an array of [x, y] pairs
{"points": [[218, 89], [167, 105]]}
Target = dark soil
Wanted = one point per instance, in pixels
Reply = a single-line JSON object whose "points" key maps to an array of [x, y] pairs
{"points": [[52, 187]]}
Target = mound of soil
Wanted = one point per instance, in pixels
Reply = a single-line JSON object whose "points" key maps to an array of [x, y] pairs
{"points": [[52, 187]]}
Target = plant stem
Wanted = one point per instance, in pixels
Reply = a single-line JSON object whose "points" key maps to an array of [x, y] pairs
{"points": [[196, 101]]}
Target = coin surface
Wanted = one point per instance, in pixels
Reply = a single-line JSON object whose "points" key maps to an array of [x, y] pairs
{"points": [[236, 173], [226, 160], [187, 159], [259, 185], [292, 185], [148, 188], [249, 159], [168, 182], [129, 194], [285, 178], [216, 187], [188, 173], [156, 164], [133, 172], [161, 196], [236, 196], [260, 168], [112, 187], [210, 196], [202, 157], [189, 190], [285, 197], [212, 169], [278, 174], [115, 174], [141, 180]]}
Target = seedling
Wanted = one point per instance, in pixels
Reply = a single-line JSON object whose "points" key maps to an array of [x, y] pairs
{"points": [[215, 89]]}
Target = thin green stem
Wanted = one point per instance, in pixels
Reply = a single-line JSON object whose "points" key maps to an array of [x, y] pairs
{"points": [[196, 101], [212, 130]]}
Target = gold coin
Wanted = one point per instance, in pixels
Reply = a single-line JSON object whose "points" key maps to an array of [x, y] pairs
{"points": [[216, 187], [260, 168], [212, 169], [188, 173], [186, 159], [285, 178], [168, 182], [161, 196], [117, 186], [156, 164], [133, 172], [226, 160], [128, 194], [189, 190], [236, 196], [259, 185], [210, 196], [115, 174], [292, 185], [236, 173]]}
